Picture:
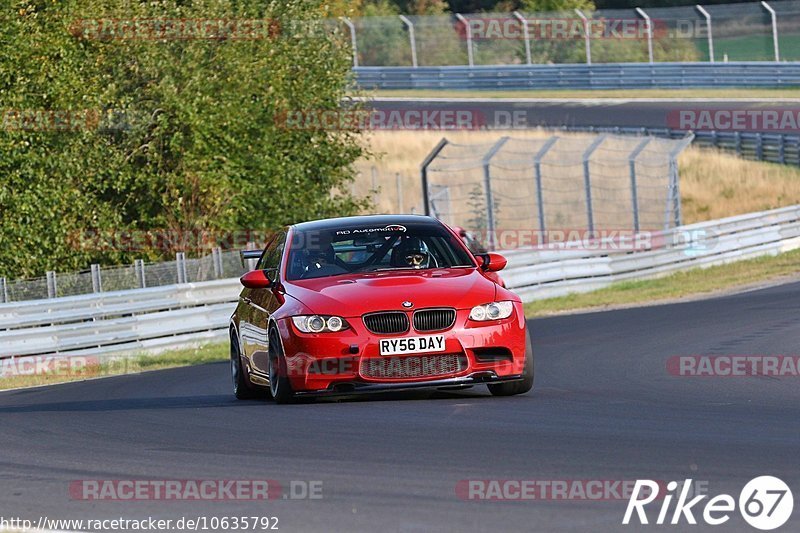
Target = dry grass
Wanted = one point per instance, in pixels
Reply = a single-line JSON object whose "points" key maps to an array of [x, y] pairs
{"points": [[713, 184], [716, 185]]}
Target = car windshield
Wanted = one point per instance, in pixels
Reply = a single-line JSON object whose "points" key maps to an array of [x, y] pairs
{"points": [[336, 251]]}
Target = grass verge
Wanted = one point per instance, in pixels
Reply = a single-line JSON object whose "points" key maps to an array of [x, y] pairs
{"points": [[695, 282], [207, 353], [597, 93]]}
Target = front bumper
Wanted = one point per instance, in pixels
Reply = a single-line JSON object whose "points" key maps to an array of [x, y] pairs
{"points": [[355, 388], [332, 363]]}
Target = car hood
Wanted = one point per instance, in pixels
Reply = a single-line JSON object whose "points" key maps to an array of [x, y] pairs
{"points": [[354, 295]]}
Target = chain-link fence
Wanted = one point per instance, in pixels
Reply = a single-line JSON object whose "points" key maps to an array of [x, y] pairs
{"points": [[589, 183], [752, 31], [218, 265]]}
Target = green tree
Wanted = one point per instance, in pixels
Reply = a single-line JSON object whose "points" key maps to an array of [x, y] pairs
{"points": [[190, 133]]}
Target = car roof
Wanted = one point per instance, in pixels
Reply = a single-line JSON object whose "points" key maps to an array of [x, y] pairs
{"points": [[366, 221]]}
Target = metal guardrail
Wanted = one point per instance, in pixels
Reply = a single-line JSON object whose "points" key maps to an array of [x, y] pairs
{"points": [[772, 147], [152, 319], [547, 273], [582, 76]]}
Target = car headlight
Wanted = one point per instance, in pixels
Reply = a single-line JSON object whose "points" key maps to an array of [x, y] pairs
{"points": [[491, 311], [319, 323]]}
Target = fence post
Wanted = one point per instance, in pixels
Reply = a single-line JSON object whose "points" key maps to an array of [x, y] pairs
{"points": [[759, 146], [424, 174], [52, 288], [468, 28], [649, 23], [774, 30], [706, 14], [487, 188], [399, 180], [526, 34], [180, 264], [634, 189], [97, 282], [587, 179], [537, 167], [3, 291], [352, 39], [587, 36], [674, 195], [138, 268], [412, 39], [216, 258]]}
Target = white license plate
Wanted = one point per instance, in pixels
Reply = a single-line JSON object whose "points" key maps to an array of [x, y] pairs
{"points": [[431, 343]]}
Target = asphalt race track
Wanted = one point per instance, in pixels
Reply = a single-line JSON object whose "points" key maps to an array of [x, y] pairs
{"points": [[522, 113], [604, 408]]}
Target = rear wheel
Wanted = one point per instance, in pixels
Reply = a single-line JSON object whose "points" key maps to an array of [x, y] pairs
{"points": [[279, 384], [241, 389], [526, 383]]}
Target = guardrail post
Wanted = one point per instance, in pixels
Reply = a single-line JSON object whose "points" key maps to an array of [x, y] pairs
{"points": [[634, 189], [353, 41], [487, 187], [424, 174], [138, 269], [412, 39], [180, 264], [649, 32], [468, 28], [52, 286], [216, 258], [526, 34], [537, 167], [97, 282], [587, 180], [3, 291], [587, 38], [774, 18], [738, 142], [707, 15], [782, 149]]}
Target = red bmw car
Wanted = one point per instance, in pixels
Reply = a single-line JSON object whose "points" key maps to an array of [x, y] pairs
{"points": [[374, 303]]}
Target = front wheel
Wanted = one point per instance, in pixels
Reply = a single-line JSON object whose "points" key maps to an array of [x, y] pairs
{"points": [[241, 389], [526, 383], [279, 384]]}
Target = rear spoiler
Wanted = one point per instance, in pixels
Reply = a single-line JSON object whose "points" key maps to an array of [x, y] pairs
{"points": [[251, 254]]}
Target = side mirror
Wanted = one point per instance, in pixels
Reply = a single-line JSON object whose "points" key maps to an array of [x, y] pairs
{"points": [[493, 262], [256, 279]]}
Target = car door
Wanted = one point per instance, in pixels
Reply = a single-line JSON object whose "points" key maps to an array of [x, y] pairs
{"points": [[263, 302]]}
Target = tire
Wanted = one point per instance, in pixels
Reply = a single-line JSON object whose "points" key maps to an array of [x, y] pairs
{"points": [[526, 383], [241, 389], [279, 385]]}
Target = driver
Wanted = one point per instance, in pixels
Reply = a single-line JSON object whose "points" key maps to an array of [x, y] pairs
{"points": [[411, 252]]}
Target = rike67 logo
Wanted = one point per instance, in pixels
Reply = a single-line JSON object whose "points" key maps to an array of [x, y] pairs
{"points": [[765, 503]]}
